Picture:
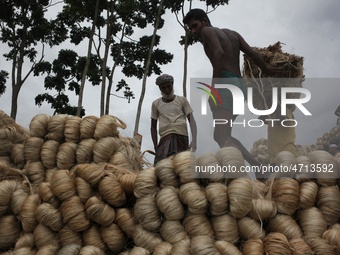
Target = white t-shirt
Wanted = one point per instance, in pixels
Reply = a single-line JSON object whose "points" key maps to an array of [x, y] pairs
{"points": [[172, 116]]}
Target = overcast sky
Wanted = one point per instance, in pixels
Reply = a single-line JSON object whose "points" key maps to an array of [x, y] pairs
{"points": [[308, 28]]}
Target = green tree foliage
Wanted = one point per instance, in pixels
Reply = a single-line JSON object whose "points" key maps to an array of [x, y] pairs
{"points": [[23, 28]]}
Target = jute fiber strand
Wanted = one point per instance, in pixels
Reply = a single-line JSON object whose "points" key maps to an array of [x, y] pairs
{"points": [[71, 249], [127, 181], [43, 235], [6, 190], [91, 250], [328, 201], [17, 199], [286, 195], [299, 246], [107, 126], [181, 247], [125, 221], [35, 172], [39, 125], [240, 193], [84, 189], [137, 251], [91, 173], [249, 228], [32, 148], [146, 183], [227, 248], [48, 249], [253, 247], [27, 212], [111, 191], [286, 225], [72, 129], [113, 237], [18, 156], [127, 155], [55, 127], [49, 216], [217, 197], [87, 127], [62, 185], [285, 158], [332, 235], [321, 246], [25, 240], [46, 195], [262, 209], [260, 151], [169, 204], [197, 225], [225, 228], [192, 195], [68, 236]]}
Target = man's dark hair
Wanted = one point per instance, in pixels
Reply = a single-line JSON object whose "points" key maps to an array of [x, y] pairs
{"points": [[197, 14]]}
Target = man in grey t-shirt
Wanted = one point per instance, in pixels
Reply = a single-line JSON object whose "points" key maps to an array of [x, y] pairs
{"points": [[172, 112]]}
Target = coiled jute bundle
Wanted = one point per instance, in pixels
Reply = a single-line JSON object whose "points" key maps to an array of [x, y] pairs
{"points": [[125, 221], [217, 197], [48, 249], [332, 235], [27, 212], [146, 183], [25, 240], [87, 127], [308, 193], [173, 231], [312, 222], [146, 239], [169, 204], [253, 247], [70, 249], [285, 159], [66, 156], [166, 173], [99, 212], [32, 148], [330, 137], [17, 155], [262, 209], [276, 243], [327, 174], [202, 245], [56, 126], [72, 129], [328, 201], [163, 248], [39, 125], [92, 173], [104, 148], [304, 174], [45, 193], [286, 195], [17, 199], [73, 213], [6, 189], [192, 195], [35, 172], [62, 185], [321, 246], [9, 231], [49, 216], [209, 160], [147, 214], [300, 247], [92, 236], [137, 251], [197, 224], [286, 225], [48, 153], [91, 250], [183, 163], [107, 126], [43, 235], [231, 157], [227, 248], [6, 140], [225, 228], [84, 153], [250, 229], [240, 193], [113, 237], [67, 236], [127, 181], [111, 191]]}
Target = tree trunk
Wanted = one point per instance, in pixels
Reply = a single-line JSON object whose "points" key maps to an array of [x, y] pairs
{"points": [[87, 64], [139, 110]]}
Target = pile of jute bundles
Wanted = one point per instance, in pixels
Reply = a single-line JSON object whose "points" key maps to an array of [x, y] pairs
{"points": [[260, 150], [289, 74], [74, 194], [331, 137], [181, 211], [12, 138]]}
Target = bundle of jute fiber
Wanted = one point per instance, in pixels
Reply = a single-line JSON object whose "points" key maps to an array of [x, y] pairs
{"points": [[260, 151], [56, 127], [39, 125], [289, 74], [107, 126]]}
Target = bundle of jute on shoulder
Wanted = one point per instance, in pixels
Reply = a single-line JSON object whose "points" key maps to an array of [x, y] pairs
{"points": [[289, 74]]}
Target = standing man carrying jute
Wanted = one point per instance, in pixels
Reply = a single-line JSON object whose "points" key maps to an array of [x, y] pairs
{"points": [[172, 111], [223, 47]]}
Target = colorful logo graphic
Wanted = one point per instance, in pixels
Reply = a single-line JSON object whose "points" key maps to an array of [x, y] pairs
{"points": [[211, 95]]}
